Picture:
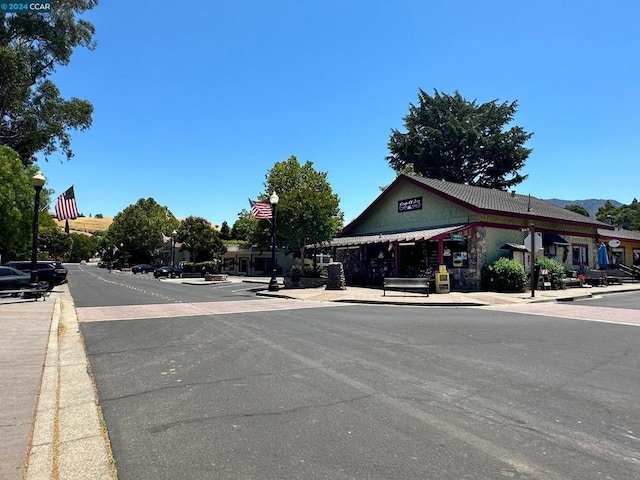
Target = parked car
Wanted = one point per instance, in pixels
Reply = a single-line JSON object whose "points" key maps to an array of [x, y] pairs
{"points": [[143, 268], [168, 272], [50, 272], [12, 279]]}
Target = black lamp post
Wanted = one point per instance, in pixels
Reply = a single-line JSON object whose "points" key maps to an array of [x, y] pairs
{"points": [[173, 248], [273, 283], [532, 230], [38, 182]]}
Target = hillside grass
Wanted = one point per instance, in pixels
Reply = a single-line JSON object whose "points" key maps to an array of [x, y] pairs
{"points": [[87, 224]]}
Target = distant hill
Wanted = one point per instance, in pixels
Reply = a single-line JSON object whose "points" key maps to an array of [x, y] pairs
{"points": [[87, 225], [591, 205]]}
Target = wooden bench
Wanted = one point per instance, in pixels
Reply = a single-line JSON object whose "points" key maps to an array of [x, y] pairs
{"points": [[419, 283], [603, 281]]}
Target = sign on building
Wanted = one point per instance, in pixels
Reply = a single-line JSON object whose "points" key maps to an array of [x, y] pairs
{"points": [[410, 204]]}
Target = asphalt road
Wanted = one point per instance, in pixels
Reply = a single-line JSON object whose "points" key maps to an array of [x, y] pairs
{"points": [[359, 392], [92, 286]]}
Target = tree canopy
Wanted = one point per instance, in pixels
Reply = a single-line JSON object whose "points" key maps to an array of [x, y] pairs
{"points": [[577, 209], [225, 231], [139, 229], [308, 211], [198, 236], [16, 206], [624, 216], [33, 115], [450, 138], [244, 228]]}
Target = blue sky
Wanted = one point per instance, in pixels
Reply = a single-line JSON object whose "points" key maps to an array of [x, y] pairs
{"points": [[195, 102]]}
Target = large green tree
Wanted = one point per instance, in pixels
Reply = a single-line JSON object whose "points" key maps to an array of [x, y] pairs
{"points": [[225, 231], [139, 229], [308, 211], [244, 228], [450, 138], [33, 115], [83, 247], [16, 206], [624, 216], [54, 243], [200, 239], [577, 209]]}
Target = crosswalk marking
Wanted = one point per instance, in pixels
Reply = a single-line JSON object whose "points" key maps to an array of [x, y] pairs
{"points": [[169, 310], [622, 316]]}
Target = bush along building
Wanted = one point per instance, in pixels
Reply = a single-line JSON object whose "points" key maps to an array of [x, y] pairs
{"points": [[420, 223]]}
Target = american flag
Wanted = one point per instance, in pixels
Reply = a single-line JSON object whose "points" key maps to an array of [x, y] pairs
{"points": [[165, 239], [66, 206], [260, 210]]}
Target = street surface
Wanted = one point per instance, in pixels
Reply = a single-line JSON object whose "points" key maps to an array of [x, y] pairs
{"points": [[213, 382]]}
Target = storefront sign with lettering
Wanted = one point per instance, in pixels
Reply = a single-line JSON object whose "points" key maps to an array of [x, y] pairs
{"points": [[410, 204]]}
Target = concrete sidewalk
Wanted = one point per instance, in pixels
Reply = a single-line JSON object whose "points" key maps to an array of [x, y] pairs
{"points": [[376, 295], [50, 421]]}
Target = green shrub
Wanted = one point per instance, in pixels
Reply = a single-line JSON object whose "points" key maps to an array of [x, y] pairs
{"points": [[556, 272], [505, 275], [304, 271]]}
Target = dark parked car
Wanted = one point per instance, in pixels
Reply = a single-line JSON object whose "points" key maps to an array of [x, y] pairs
{"points": [[12, 279], [168, 272], [50, 272], [143, 268]]}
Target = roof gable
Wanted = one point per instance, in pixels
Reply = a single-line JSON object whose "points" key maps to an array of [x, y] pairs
{"points": [[486, 201]]}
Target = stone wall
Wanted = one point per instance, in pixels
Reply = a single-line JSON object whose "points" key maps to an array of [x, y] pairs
{"points": [[469, 279], [336, 279]]}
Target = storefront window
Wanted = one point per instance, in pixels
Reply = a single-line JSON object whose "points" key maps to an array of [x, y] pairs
{"points": [[579, 254], [455, 254], [617, 256], [636, 256]]}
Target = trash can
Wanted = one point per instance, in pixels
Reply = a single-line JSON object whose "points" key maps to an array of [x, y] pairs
{"points": [[443, 284]]}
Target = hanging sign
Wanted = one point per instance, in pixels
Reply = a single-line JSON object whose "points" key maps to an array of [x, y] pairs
{"points": [[456, 237], [410, 204], [614, 243]]}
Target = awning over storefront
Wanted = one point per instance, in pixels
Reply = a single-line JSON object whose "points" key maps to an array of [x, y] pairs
{"points": [[514, 247], [553, 239], [414, 236]]}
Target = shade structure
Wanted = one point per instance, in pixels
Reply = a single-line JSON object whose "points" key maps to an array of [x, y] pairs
{"points": [[603, 256]]}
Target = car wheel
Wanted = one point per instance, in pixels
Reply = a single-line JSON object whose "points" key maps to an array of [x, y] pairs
{"points": [[44, 285]]}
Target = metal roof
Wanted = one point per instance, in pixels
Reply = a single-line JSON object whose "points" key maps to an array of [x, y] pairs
{"points": [[389, 237], [514, 246]]}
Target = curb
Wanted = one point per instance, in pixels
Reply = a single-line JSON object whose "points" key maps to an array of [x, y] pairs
{"points": [[68, 439], [378, 302], [412, 304]]}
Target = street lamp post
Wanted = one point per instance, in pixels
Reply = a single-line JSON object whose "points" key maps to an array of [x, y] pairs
{"points": [[532, 231], [173, 248], [38, 181], [273, 283]]}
